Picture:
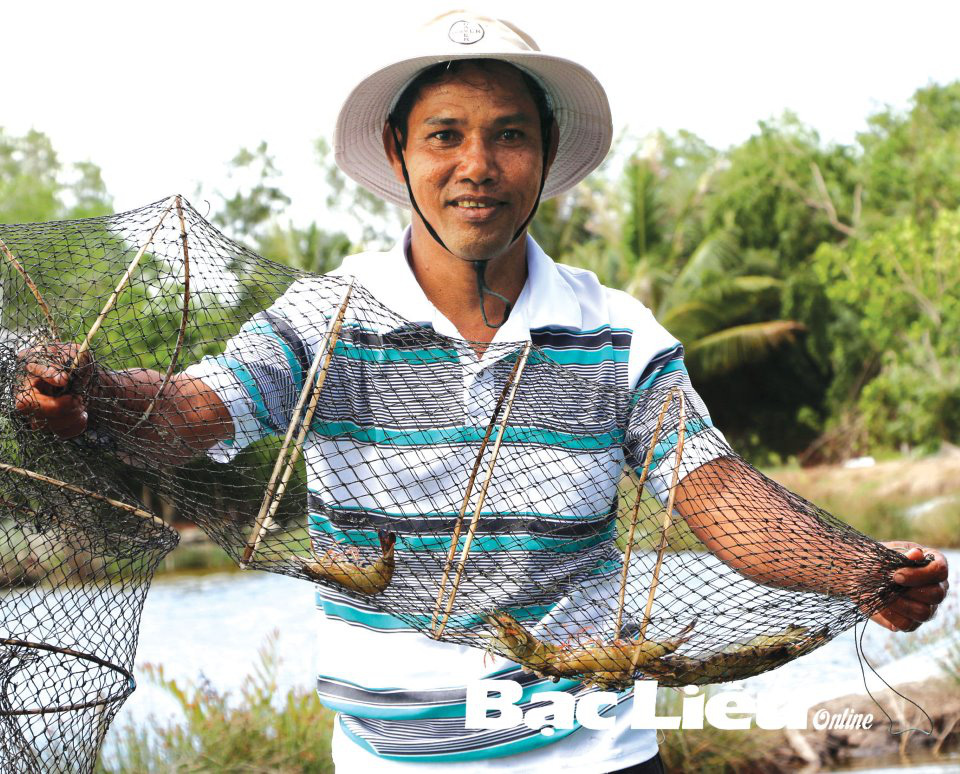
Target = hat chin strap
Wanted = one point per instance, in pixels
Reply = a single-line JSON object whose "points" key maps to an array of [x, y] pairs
{"points": [[479, 266]]}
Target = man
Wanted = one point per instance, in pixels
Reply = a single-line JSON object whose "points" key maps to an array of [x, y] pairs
{"points": [[470, 132]]}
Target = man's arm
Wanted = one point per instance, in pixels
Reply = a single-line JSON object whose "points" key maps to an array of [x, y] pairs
{"points": [[186, 420], [755, 530]]}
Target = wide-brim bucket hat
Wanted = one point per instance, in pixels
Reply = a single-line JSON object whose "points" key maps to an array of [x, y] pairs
{"points": [[579, 102]]}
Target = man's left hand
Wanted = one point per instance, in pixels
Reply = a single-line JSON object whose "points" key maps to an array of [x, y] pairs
{"points": [[924, 589]]}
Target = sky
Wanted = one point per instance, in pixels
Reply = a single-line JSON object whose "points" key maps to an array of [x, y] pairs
{"points": [[162, 95]]}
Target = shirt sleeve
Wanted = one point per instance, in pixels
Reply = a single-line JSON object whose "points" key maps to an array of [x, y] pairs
{"points": [[259, 375], [655, 371], [666, 376]]}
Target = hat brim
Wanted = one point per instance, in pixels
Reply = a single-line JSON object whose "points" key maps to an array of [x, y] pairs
{"points": [[579, 104]]}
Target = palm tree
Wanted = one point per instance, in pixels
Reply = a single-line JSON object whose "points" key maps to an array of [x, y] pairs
{"points": [[720, 300], [720, 305]]}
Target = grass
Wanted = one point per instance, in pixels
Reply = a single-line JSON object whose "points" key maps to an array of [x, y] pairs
{"points": [[950, 663], [713, 750], [256, 733]]}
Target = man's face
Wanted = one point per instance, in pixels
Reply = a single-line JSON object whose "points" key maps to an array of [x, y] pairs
{"points": [[473, 153]]}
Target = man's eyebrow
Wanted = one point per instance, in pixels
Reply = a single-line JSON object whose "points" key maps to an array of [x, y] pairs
{"points": [[514, 118]]}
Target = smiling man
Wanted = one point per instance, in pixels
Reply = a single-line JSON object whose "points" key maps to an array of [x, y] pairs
{"points": [[470, 131], [480, 139]]}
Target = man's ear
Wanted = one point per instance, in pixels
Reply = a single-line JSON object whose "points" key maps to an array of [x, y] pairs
{"points": [[554, 143], [390, 148]]}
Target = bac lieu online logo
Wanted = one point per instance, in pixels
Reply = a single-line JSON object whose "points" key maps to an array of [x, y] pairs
{"points": [[493, 704]]}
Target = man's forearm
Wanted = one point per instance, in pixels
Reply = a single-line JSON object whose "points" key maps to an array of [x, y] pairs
{"points": [[185, 419], [755, 529]]}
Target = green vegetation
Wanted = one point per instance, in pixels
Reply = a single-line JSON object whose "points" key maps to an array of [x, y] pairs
{"points": [[713, 750], [812, 284], [258, 731]]}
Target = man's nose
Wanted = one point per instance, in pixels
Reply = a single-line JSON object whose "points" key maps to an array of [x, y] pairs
{"points": [[478, 163]]}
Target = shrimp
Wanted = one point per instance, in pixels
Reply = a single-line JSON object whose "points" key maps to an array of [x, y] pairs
{"points": [[521, 646], [748, 658], [604, 664], [335, 567], [616, 656]]}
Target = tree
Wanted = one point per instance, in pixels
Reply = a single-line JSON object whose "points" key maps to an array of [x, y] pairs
{"points": [[782, 191], [255, 204], [35, 186], [910, 158], [898, 290], [721, 299]]}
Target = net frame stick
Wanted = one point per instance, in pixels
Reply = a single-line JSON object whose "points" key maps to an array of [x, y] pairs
{"points": [[131, 684], [289, 454], [5, 468], [458, 526], [33, 288], [636, 512], [471, 530], [183, 320], [124, 280], [667, 521]]}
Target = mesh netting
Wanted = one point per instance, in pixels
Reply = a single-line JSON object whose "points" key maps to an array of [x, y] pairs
{"points": [[76, 559], [488, 495]]}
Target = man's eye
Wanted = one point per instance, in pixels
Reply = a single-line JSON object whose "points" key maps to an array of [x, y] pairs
{"points": [[444, 135], [511, 134]]}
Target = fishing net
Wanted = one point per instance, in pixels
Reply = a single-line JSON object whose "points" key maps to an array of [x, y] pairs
{"points": [[76, 558], [498, 496]]}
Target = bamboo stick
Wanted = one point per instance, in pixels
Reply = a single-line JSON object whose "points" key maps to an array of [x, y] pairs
{"points": [[85, 492], [636, 512], [117, 291], [183, 320], [469, 491], [33, 288], [667, 520], [471, 531], [311, 389], [99, 702]]}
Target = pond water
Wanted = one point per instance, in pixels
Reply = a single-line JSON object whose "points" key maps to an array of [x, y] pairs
{"points": [[210, 627]]}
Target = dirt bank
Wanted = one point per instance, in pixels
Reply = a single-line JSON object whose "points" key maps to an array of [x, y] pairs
{"points": [[817, 750], [901, 479]]}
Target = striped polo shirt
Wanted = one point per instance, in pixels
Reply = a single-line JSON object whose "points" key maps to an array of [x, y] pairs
{"points": [[391, 447]]}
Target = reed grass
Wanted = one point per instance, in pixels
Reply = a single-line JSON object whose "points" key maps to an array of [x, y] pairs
{"points": [[259, 731]]}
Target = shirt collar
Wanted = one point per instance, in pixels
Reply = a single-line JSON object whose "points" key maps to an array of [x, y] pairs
{"points": [[546, 300]]}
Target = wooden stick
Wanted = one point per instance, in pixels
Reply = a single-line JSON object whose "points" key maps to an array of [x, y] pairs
{"points": [[85, 492], [99, 702], [183, 320], [274, 492], [117, 291], [33, 288], [667, 520], [636, 512], [469, 491], [471, 531]]}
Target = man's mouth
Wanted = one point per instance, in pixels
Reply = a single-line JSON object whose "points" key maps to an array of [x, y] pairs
{"points": [[475, 203]]}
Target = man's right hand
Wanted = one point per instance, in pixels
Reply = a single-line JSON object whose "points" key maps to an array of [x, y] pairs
{"points": [[49, 394]]}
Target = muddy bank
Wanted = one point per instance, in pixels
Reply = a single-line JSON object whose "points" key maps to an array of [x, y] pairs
{"points": [[828, 748], [917, 479]]}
